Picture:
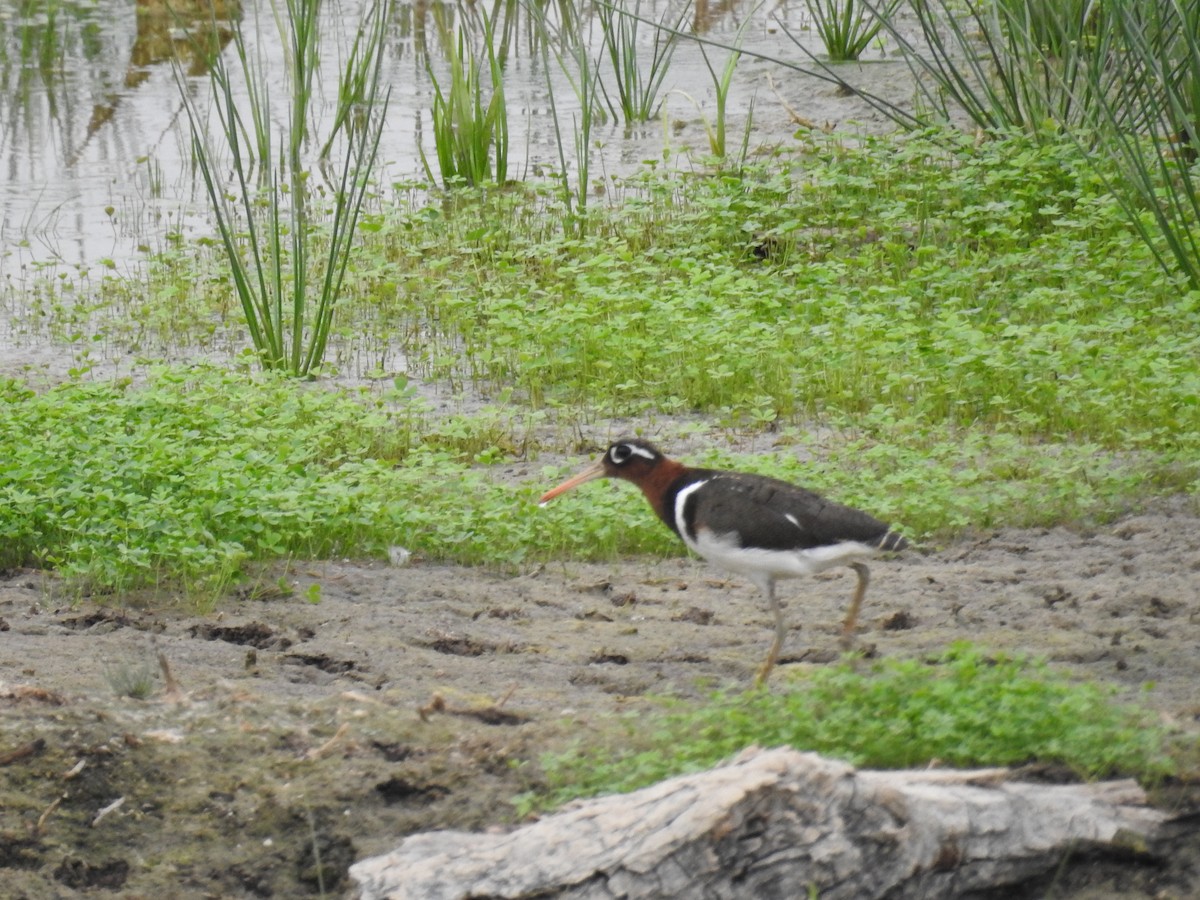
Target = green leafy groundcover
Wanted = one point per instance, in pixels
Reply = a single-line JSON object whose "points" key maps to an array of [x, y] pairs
{"points": [[184, 478], [189, 476], [951, 282], [965, 709], [978, 330], [948, 281]]}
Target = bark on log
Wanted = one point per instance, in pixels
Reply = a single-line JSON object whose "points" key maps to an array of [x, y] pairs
{"points": [[777, 823]]}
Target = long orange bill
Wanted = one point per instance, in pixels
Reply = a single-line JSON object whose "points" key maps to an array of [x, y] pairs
{"points": [[591, 473]]}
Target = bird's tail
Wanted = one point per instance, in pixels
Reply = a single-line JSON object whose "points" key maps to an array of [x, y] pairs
{"points": [[892, 542]]}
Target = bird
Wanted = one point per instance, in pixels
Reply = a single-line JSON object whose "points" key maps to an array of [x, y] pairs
{"points": [[760, 527]]}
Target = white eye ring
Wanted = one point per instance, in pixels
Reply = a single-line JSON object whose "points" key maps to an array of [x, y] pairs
{"points": [[623, 453]]}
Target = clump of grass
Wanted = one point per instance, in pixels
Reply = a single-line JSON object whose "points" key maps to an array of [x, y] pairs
{"points": [[287, 292], [722, 83], [580, 70], [847, 27], [133, 680], [470, 122], [637, 88], [1017, 64], [967, 708]]}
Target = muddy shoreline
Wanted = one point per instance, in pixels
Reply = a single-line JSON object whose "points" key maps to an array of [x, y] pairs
{"points": [[413, 698]]}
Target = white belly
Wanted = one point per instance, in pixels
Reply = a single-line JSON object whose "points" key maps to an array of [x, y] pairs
{"points": [[763, 566], [723, 551]]}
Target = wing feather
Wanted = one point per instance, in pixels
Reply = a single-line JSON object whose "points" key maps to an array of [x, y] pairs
{"points": [[776, 515]]}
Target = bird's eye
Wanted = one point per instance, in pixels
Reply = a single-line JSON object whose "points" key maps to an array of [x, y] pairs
{"points": [[620, 453]]}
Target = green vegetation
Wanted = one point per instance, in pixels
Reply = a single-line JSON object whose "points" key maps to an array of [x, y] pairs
{"points": [[715, 129], [262, 204], [470, 124], [847, 27], [1121, 79], [135, 680], [638, 89], [922, 287], [964, 709], [1149, 127], [979, 332], [580, 71], [180, 482]]}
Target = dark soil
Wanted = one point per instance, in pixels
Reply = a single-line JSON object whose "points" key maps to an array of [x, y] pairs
{"points": [[297, 737]]}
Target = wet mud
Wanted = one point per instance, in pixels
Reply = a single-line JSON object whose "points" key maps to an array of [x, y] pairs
{"points": [[260, 749]]}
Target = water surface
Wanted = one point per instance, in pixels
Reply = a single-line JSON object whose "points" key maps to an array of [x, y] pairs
{"points": [[94, 140]]}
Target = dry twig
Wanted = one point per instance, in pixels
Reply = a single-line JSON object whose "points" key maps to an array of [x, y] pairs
{"points": [[173, 693], [39, 828], [115, 805], [33, 748], [488, 715], [318, 752]]}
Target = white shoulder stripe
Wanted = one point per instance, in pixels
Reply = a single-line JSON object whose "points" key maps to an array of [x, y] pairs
{"points": [[680, 503]]}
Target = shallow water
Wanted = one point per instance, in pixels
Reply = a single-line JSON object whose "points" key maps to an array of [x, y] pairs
{"points": [[94, 141]]}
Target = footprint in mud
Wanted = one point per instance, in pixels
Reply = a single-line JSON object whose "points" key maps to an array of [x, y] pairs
{"points": [[80, 874], [253, 634], [401, 790]]}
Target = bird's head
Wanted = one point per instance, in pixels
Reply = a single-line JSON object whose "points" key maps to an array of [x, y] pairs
{"points": [[629, 458]]}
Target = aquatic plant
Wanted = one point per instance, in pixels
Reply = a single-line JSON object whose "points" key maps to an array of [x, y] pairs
{"points": [[722, 83], [637, 86], [470, 122], [847, 27], [1150, 124], [574, 61], [262, 211]]}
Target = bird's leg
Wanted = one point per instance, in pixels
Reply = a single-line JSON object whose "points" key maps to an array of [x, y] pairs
{"points": [[780, 632], [851, 623]]}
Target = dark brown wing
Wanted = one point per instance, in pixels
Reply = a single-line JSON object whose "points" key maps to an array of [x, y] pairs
{"points": [[775, 515]]}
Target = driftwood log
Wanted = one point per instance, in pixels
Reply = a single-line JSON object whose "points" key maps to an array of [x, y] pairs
{"points": [[778, 824]]}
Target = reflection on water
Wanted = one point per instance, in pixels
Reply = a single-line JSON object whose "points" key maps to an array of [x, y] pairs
{"points": [[93, 140], [89, 122], [166, 32]]}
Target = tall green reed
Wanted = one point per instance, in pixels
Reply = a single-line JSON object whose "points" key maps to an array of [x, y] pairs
{"points": [[1016, 64], [985, 61], [504, 20], [638, 89], [573, 60], [1150, 124], [287, 284], [847, 27], [358, 84], [715, 129], [470, 123]]}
